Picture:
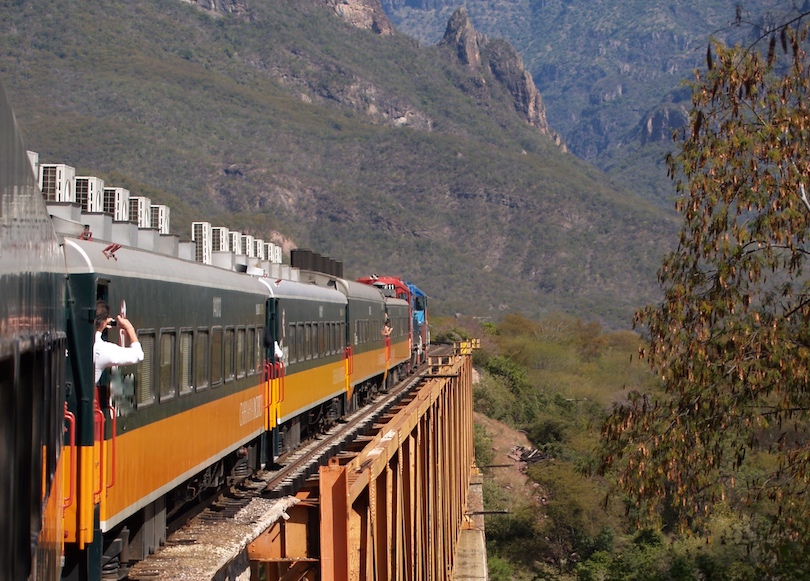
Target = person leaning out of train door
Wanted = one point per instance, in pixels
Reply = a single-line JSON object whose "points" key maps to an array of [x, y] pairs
{"points": [[107, 354], [386, 331]]}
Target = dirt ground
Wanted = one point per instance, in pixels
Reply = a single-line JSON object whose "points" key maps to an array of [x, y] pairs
{"points": [[506, 444], [503, 442], [509, 472]]}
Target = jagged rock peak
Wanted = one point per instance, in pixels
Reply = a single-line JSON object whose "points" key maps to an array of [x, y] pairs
{"points": [[461, 34], [507, 67], [503, 62], [239, 7], [366, 14]]}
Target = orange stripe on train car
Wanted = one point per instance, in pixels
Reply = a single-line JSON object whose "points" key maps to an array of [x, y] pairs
{"points": [[155, 458], [304, 388]]}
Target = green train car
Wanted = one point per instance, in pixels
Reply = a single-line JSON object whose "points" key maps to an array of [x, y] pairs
{"points": [[237, 370]]}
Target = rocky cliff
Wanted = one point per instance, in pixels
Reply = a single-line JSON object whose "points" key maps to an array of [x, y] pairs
{"points": [[417, 4], [498, 59], [239, 7], [487, 60], [662, 122], [366, 14]]}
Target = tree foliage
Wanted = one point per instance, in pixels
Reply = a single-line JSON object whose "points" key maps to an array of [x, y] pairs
{"points": [[730, 340]]}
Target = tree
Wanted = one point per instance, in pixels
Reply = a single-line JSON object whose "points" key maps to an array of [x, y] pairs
{"points": [[730, 340]]}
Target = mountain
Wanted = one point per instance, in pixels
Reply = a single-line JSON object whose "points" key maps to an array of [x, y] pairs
{"points": [[611, 72], [316, 124]]}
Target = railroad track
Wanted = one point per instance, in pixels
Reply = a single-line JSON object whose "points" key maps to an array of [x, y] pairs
{"points": [[218, 531]]}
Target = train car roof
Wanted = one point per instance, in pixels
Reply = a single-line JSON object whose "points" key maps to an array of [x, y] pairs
{"points": [[396, 301], [281, 288], [357, 290], [87, 256]]}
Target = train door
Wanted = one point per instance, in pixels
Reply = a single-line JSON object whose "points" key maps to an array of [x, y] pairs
{"points": [[84, 543], [273, 377], [350, 338]]}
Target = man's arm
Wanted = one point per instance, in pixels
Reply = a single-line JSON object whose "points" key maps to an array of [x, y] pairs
{"points": [[111, 354], [124, 323]]}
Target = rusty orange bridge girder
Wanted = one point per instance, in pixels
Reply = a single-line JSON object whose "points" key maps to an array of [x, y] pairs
{"points": [[395, 509]]}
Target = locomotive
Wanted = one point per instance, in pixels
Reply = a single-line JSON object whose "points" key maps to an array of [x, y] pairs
{"points": [[239, 368]]}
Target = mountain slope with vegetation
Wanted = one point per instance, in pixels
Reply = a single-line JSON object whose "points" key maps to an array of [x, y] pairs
{"points": [[610, 72], [280, 118], [543, 390]]}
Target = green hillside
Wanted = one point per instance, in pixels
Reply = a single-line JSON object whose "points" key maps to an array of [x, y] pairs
{"points": [[371, 149]]}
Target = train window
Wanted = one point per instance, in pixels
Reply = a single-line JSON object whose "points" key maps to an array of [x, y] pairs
{"points": [[310, 339], [337, 341], [259, 351], [292, 343], [230, 369], [201, 359], [250, 343], [144, 386], [314, 346], [216, 356], [166, 366], [186, 354], [299, 342], [323, 334], [321, 340], [240, 352], [342, 336]]}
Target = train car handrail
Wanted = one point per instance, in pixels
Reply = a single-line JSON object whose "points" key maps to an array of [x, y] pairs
{"points": [[99, 425], [70, 418], [268, 377], [348, 355], [114, 420], [280, 374]]}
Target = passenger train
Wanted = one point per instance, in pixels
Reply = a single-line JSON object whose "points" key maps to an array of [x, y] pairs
{"points": [[238, 369]]}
